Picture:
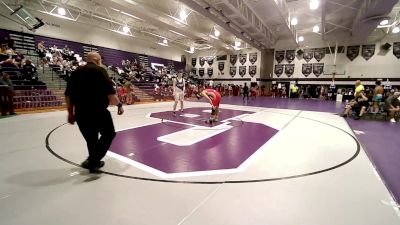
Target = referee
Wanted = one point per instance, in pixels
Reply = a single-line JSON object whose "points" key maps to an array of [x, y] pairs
{"points": [[89, 92]]}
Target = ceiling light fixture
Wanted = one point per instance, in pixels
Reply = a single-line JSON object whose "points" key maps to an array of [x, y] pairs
{"points": [[163, 42], [314, 4], [191, 50], [294, 21], [315, 29], [396, 30], [125, 29], [238, 43], [384, 22], [183, 15], [215, 33], [301, 39], [61, 11]]}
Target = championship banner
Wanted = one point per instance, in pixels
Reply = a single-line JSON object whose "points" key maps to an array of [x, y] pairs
{"points": [[242, 71], [221, 66], [352, 52], [232, 71], [278, 70], [318, 69], [396, 49], [319, 53], [252, 70], [253, 57], [233, 59], [367, 51], [194, 61], [201, 72], [307, 69], [289, 69], [290, 55], [210, 71], [194, 71], [279, 56], [308, 54], [242, 58], [210, 61], [202, 61]]}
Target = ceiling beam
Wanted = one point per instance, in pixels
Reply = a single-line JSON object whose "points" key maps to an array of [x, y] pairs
{"points": [[206, 11], [369, 16], [241, 9], [323, 18], [160, 20]]}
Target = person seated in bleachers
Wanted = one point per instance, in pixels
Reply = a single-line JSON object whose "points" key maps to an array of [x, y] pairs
{"points": [[10, 43], [66, 50], [57, 58], [29, 71], [3, 49], [54, 49], [392, 105], [9, 63]]}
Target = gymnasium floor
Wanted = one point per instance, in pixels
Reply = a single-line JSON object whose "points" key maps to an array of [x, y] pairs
{"points": [[272, 161]]}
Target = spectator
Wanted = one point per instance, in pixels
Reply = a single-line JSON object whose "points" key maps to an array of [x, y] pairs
{"points": [[6, 101], [359, 104], [378, 96], [359, 88], [392, 105], [3, 49], [29, 71], [294, 92], [245, 92], [41, 51], [9, 63], [9, 42], [129, 92]]}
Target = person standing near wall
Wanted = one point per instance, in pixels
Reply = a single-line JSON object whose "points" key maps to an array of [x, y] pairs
{"points": [[88, 107], [246, 92], [6, 95], [294, 91], [378, 96]]}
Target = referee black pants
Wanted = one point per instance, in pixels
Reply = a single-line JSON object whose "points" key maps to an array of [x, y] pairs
{"points": [[91, 125]]}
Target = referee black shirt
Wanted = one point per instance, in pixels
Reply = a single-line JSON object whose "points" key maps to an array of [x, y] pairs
{"points": [[88, 89]]}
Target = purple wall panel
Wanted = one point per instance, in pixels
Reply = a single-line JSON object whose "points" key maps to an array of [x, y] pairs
{"points": [[114, 57], [4, 33], [179, 65], [49, 42], [153, 59], [111, 56]]}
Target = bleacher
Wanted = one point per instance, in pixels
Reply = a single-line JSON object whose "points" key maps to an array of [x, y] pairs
{"points": [[54, 78], [20, 83], [25, 43], [30, 99]]}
